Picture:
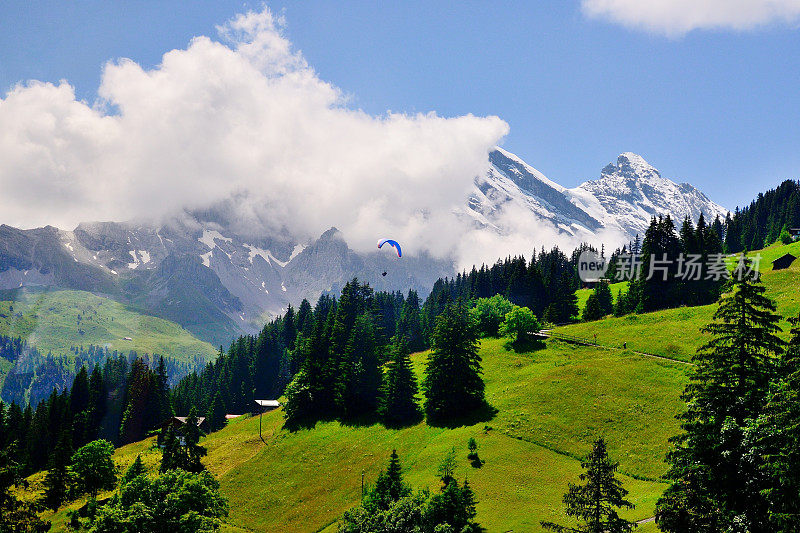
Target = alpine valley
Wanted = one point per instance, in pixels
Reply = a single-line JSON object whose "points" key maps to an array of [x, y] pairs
{"points": [[204, 273]]}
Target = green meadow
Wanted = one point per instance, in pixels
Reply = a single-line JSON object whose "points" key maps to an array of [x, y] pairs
{"points": [[551, 404], [55, 320]]}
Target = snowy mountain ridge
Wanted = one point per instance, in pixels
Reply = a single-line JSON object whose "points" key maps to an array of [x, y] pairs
{"points": [[621, 202]]}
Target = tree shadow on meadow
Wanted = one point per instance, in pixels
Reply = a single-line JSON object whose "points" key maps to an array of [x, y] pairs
{"points": [[533, 344], [410, 422], [485, 413]]}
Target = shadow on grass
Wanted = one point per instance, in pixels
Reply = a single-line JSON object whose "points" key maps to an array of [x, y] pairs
{"points": [[533, 344], [360, 420], [355, 421], [484, 413], [406, 423]]}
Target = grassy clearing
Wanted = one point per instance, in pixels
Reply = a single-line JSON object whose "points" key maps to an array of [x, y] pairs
{"points": [[55, 320], [583, 294], [552, 404]]}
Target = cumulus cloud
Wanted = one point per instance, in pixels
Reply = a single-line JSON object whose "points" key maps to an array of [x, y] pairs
{"points": [[677, 17], [245, 121]]}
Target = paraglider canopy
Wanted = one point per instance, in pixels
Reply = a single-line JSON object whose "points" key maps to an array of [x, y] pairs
{"points": [[392, 243]]}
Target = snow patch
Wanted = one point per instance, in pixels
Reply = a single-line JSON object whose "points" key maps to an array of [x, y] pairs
{"points": [[297, 249], [255, 251], [206, 257], [209, 236]]}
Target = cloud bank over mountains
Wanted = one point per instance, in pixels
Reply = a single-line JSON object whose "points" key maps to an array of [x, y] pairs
{"points": [[244, 118], [678, 17]]}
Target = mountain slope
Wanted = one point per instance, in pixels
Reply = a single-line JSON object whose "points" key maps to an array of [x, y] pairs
{"points": [[551, 403], [56, 320]]}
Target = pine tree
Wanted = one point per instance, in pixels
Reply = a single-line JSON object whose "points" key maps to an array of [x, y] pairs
{"points": [[193, 452], [778, 440], [170, 450], [398, 402], [181, 448], [453, 383], [135, 470], [57, 481], [605, 299], [715, 483], [360, 370], [389, 487], [97, 404], [409, 325], [592, 309], [216, 414], [135, 420], [595, 503]]}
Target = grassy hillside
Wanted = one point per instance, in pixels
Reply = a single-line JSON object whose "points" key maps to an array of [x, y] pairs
{"points": [[676, 332], [583, 294], [55, 320], [552, 404]]}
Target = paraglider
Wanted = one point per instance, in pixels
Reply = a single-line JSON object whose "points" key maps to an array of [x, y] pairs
{"points": [[392, 243]]}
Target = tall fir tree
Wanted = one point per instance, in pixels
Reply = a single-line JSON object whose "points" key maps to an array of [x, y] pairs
{"points": [[361, 371], [398, 398], [57, 481], [453, 384], [714, 481], [777, 440], [595, 503], [216, 414]]}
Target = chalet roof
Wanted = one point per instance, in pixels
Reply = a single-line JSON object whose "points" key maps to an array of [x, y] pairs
{"points": [[183, 419], [785, 257], [783, 261], [268, 403]]}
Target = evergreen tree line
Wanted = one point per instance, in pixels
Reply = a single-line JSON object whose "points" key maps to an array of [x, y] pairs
{"points": [[761, 223], [120, 402], [337, 347], [546, 285], [736, 464], [693, 273], [11, 348]]}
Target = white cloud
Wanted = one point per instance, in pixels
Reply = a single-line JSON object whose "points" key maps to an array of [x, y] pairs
{"points": [[246, 122], [677, 17]]}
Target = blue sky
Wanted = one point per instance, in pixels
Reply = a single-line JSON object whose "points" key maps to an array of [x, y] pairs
{"points": [[716, 107]]}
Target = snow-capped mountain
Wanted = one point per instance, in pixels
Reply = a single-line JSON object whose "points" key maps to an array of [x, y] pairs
{"points": [[621, 202], [632, 192], [214, 282], [218, 278]]}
